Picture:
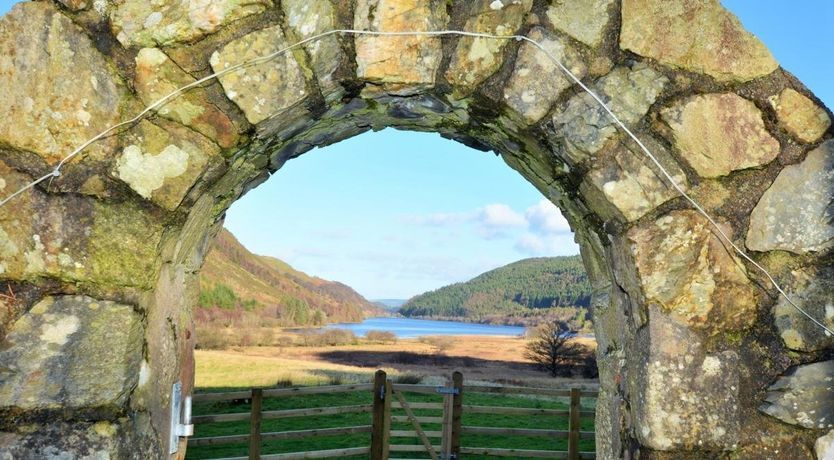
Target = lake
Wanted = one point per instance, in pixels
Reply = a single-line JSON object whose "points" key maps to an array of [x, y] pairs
{"points": [[405, 328]]}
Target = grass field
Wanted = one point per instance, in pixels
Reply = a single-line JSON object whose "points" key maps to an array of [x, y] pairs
{"points": [[481, 359], [361, 440]]}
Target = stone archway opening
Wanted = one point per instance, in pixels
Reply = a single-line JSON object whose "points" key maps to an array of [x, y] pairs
{"points": [[101, 262]]}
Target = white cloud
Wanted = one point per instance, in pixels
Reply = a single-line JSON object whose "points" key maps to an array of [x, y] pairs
{"points": [[500, 216], [547, 245], [545, 218]]}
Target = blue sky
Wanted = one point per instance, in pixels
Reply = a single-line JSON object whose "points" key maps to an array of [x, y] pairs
{"points": [[395, 213]]}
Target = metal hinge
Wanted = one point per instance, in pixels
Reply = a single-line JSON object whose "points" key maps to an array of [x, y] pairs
{"points": [[180, 418]]}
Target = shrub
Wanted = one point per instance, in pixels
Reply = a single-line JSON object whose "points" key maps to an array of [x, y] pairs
{"points": [[410, 379], [211, 339], [553, 349], [284, 382], [381, 336]]}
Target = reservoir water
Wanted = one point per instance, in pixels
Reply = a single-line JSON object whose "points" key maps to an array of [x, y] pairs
{"points": [[405, 328]]}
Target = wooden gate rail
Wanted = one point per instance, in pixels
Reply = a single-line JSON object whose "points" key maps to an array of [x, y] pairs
{"points": [[257, 415], [387, 396]]}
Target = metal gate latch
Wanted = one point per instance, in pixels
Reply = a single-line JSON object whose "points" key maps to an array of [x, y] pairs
{"points": [[180, 427]]}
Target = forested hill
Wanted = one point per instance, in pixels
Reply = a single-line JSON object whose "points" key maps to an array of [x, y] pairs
{"points": [[519, 290], [235, 279]]}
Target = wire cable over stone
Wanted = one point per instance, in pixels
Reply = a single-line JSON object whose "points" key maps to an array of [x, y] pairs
{"points": [[726, 238]]}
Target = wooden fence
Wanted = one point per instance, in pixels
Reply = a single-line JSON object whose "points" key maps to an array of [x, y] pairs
{"points": [[388, 404]]}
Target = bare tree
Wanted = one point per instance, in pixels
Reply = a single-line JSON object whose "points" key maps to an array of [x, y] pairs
{"points": [[552, 348]]}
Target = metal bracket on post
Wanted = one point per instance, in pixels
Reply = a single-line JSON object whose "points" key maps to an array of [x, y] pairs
{"points": [[447, 391], [180, 427]]}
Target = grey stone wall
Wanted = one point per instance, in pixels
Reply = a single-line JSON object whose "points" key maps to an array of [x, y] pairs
{"points": [[698, 353]]}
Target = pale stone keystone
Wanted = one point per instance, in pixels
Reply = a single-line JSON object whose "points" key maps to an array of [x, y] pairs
{"points": [[166, 22], [801, 117], [266, 89], [55, 106], [720, 133], [584, 20], [476, 58], [309, 18], [698, 36], [403, 63], [527, 92], [795, 213]]}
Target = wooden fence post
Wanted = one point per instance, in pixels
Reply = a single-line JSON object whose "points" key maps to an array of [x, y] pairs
{"points": [[255, 424], [381, 424], [573, 427], [457, 413]]}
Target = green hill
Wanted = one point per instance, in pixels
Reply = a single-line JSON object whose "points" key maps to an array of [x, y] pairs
{"points": [[519, 293], [235, 280]]}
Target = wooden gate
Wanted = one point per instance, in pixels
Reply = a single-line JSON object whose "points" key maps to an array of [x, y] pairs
{"points": [[390, 397]]}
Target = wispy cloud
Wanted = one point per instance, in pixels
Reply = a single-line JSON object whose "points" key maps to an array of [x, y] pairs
{"points": [[545, 218], [546, 245], [539, 230]]}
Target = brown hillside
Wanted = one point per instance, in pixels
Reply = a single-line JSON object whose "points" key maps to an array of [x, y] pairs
{"points": [[272, 282]]}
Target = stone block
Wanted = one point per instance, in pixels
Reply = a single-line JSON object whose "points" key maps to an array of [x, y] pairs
{"points": [[73, 355]]}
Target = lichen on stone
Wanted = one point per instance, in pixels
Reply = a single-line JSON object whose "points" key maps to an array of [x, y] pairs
{"points": [[267, 89], [699, 36], [720, 133], [795, 213], [166, 22]]}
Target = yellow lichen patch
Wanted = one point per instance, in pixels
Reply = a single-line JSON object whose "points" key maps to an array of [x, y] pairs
{"points": [[105, 429], [804, 119]]}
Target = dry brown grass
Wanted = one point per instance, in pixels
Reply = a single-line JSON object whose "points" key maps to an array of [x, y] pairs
{"points": [[498, 359]]}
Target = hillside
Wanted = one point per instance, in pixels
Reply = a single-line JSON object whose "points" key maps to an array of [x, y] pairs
{"points": [[518, 293], [235, 279]]}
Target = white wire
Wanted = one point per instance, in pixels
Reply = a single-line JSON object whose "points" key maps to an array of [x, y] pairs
{"points": [[57, 170]]}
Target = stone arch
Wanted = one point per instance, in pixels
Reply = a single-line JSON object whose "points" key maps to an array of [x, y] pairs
{"points": [[100, 263]]}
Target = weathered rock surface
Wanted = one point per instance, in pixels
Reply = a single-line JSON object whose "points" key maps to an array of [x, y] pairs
{"points": [[307, 19], [71, 354], [476, 58], [527, 92], [55, 106], [824, 446], [263, 90], [584, 20], [688, 397], [399, 62], [800, 116], [83, 240], [75, 5], [684, 268], [697, 36], [720, 133], [83, 441], [795, 213], [804, 396], [161, 165], [631, 183], [157, 76], [586, 127], [165, 22], [815, 295]]}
